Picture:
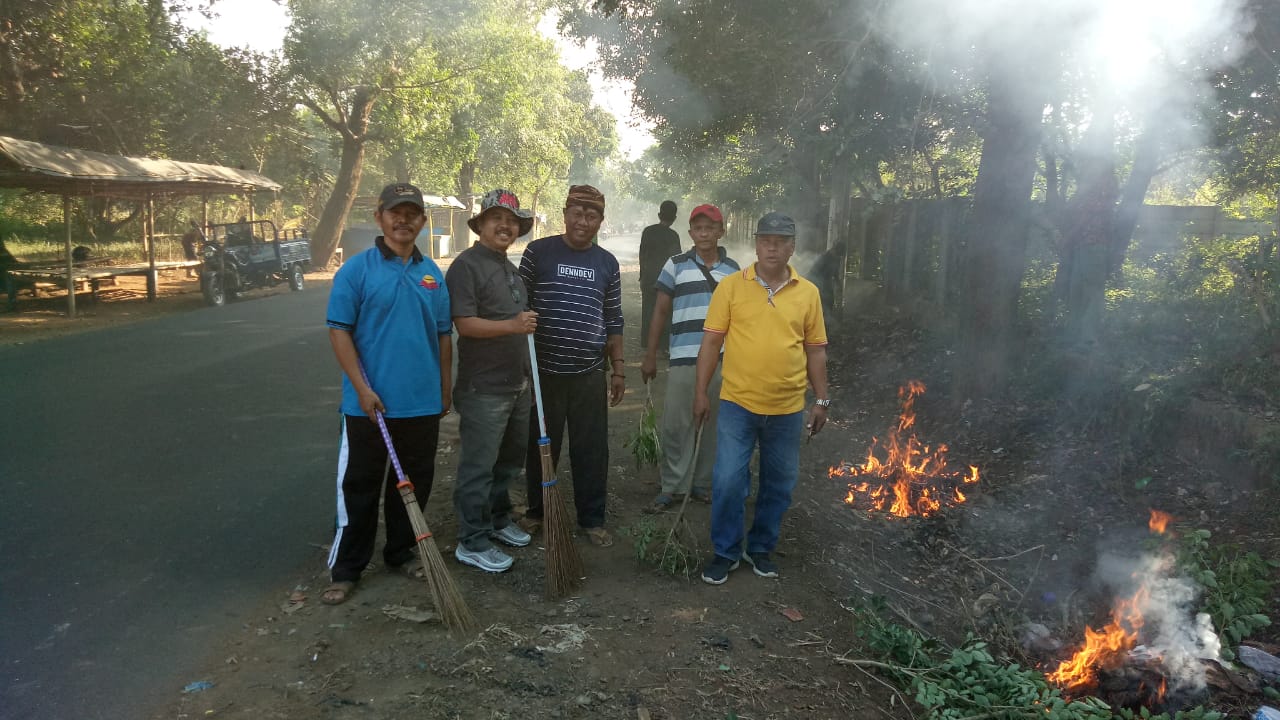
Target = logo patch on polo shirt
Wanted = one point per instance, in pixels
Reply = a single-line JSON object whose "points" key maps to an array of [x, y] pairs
{"points": [[573, 271], [429, 282]]}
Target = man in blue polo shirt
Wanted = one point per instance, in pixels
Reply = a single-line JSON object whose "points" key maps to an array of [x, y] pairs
{"points": [[388, 311]]}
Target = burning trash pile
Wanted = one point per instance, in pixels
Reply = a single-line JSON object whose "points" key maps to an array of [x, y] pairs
{"points": [[1152, 644], [902, 476]]}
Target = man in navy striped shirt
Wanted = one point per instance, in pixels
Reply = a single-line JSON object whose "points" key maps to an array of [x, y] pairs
{"points": [[575, 287], [684, 288]]}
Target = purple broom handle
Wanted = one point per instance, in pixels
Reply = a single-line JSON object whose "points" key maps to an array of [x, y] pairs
{"points": [[382, 426]]}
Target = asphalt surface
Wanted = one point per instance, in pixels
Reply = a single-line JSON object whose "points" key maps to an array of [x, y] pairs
{"points": [[157, 481]]}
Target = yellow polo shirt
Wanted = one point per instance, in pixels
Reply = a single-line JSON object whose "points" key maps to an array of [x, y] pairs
{"points": [[765, 364]]}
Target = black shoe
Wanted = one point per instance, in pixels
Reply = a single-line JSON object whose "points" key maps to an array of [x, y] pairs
{"points": [[761, 563], [717, 571]]}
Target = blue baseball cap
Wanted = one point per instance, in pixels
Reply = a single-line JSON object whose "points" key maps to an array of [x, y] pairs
{"points": [[775, 223]]}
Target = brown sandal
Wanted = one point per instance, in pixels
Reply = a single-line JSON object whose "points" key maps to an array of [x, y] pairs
{"points": [[599, 537], [337, 593]]}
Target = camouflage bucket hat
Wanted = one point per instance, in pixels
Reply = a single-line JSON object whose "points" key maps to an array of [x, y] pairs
{"points": [[502, 198]]}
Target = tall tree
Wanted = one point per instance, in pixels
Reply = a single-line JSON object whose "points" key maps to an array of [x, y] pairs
{"points": [[344, 58]]}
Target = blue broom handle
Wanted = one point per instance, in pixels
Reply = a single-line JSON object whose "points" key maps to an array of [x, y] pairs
{"points": [[382, 426], [537, 392]]}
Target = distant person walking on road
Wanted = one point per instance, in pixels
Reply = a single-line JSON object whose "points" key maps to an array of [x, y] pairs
{"points": [[768, 321], [576, 289], [658, 242], [492, 393], [388, 311], [684, 291]]}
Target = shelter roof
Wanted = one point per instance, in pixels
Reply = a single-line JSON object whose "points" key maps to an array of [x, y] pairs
{"points": [[70, 171], [431, 202]]}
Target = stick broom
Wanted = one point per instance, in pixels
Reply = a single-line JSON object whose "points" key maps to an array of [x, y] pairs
{"points": [[564, 564], [453, 610]]}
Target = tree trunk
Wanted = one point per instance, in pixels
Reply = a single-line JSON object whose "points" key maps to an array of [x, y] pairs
{"points": [[1145, 162], [997, 235], [334, 216], [466, 178], [324, 241], [1087, 233]]}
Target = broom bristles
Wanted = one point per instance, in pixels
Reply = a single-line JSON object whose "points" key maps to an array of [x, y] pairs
{"points": [[564, 563], [448, 600]]}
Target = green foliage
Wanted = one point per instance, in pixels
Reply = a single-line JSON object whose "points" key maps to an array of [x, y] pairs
{"points": [[644, 442], [969, 682], [1236, 585], [662, 548]]}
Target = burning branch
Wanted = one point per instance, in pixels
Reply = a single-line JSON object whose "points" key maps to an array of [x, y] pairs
{"points": [[912, 478]]}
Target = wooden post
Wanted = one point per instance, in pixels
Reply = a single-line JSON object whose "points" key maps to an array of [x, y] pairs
{"points": [[945, 208], [71, 275], [431, 238], [864, 247], [910, 245], [148, 224]]}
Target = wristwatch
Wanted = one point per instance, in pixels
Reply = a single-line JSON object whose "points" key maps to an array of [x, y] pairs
{"points": [[822, 402]]}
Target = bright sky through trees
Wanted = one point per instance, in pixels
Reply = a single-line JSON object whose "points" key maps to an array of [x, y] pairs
{"points": [[261, 25]]}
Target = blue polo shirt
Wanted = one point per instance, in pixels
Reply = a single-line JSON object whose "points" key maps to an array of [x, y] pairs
{"points": [[396, 312]]}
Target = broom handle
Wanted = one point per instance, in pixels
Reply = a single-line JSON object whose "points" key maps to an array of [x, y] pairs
{"points": [[537, 392], [544, 442], [386, 436]]}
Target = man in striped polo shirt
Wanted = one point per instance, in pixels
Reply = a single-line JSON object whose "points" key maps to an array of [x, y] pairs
{"points": [[575, 287], [684, 288]]}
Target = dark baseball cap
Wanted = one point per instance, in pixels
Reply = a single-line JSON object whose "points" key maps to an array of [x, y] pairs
{"points": [[775, 223], [399, 194]]}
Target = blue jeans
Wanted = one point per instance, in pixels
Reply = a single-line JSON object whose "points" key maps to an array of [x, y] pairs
{"points": [[494, 428], [737, 434]]}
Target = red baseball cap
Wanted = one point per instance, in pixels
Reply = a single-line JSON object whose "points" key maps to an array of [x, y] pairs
{"points": [[711, 211]]}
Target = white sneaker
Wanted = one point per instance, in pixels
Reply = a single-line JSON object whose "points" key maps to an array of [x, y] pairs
{"points": [[492, 560], [512, 535]]}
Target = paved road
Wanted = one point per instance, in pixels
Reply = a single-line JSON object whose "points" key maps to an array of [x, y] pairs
{"points": [[158, 482]]}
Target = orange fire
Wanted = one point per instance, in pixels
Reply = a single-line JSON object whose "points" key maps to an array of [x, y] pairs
{"points": [[1103, 649], [913, 478], [1159, 521]]}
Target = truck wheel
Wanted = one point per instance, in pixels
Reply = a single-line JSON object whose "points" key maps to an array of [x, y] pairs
{"points": [[295, 276], [213, 292]]}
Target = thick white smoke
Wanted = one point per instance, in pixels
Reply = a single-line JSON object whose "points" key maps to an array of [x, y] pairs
{"points": [[1172, 629], [1143, 56]]}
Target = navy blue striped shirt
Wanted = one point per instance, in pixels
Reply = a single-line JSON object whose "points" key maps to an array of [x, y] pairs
{"points": [[578, 297]]}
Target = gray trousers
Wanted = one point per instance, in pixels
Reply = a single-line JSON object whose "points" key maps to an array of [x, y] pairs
{"points": [[494, 429], [678, 432]]}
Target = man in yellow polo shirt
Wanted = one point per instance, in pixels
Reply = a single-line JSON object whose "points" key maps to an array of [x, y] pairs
{"points": [[769, 322]]}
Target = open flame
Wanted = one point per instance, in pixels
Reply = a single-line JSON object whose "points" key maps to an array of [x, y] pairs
{"points": [[1104, 649], [1159, 521], [912, 478], [1110, 647]]}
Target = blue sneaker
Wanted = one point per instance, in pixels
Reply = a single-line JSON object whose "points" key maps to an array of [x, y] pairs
{"points": [[761, 563], [512, 535], [492, 560], [717, 571]]}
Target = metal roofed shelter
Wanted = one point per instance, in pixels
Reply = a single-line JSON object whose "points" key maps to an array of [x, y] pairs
{"points": [[71, 172]]}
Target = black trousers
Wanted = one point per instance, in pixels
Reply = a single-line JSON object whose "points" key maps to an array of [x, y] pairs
{"points": [[362, 461], [582, 402]]}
